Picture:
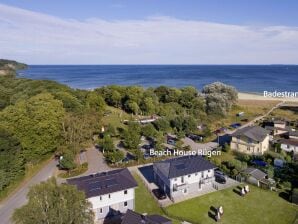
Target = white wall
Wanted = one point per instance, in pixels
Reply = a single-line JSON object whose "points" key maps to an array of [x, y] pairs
{"points": [[193, 178], [289, 148], [116, 197]]}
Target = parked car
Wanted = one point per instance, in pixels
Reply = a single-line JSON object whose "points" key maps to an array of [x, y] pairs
{"points": [[235, 125], [195, 137], [159, 194], [171, 142], [146, 156], [219, 173], [220, 179]]}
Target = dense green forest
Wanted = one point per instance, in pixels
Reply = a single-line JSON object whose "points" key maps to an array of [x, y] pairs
{"points": [[39, 117]]}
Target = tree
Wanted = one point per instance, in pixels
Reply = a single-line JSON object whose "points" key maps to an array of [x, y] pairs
{"points": [[95, 101], [219, 98], [188, 94], [37, 123], [80, 128], [132, 136], [149, 131], [50, 203], [132, 106], [11, 159], [159, 141], [70, 102], [107, 144], [114, 156], [148, 106], [162, 125], [67, 160]]}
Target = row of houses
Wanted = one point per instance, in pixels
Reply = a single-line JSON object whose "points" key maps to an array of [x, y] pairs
{"points": [[256, 140], [112, 193]]}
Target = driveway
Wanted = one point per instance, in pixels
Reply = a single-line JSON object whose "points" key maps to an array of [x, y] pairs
{"points": [[96, 162], [18, 199]]}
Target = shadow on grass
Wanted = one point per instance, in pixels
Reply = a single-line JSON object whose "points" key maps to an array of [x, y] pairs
{"points": [[211, 215], [237, 191], [285, 195]]}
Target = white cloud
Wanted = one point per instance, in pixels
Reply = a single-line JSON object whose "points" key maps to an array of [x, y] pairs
{"points": [[37, 38]]}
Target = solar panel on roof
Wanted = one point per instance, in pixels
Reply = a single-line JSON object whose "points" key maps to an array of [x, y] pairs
{"points": [[180, 166], [111, 182]]}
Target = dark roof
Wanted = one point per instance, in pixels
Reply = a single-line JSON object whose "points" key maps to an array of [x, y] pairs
{"points": [[104, 183], [254, 172], [253, 132], [279, 122], [293, 133], [289, 141], [181, 166], [132, 217]]}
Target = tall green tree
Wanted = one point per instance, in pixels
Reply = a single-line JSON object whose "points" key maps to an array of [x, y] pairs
{"points": [[11, 159], [95, 101], [132, 136], [50, 203], [37, 123]]}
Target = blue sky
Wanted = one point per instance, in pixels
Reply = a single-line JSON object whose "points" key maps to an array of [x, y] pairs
{"points": [[262, 12], [149, 31]]}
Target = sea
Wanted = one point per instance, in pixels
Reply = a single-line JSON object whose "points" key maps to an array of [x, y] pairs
{"points": [[246, 78]]}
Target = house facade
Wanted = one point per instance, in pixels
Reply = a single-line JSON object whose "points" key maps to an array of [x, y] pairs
{"points": [[251, 140], [289, 145], [182, 176], [110, 193]]}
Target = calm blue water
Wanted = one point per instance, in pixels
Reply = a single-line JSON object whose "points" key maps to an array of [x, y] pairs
{"points": [[246, 78]]}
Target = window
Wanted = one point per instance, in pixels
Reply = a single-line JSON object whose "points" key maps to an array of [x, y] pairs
{"points": [[125, 204], [185, 191], [100, 197], [196, 174], [175, 179], [109, 196], [189, 175], [125, 192], [209, 171], [182, 179], [100, 210]]}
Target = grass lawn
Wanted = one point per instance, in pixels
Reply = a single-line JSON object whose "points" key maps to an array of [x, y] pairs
{"points": [[144, 202], [116, 116], [285, 114], [259, 206]]}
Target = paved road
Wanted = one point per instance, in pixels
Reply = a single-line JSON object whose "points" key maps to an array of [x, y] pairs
{"points": [[257, 118], [19, 198]]}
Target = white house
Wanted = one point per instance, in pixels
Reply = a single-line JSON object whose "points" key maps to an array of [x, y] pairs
{"points": [[181, 176], [251, 140], [289, 145], [110, 193]]}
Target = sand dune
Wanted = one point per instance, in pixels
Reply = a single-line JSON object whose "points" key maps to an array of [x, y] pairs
{"points": [[251, 96]]}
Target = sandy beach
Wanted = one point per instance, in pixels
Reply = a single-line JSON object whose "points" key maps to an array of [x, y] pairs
{"points": [[251, 96]]}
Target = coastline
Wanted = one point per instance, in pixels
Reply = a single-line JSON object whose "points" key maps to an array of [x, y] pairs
{"points": [[254, 96]]}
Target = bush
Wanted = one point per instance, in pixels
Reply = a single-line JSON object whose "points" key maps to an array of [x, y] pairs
{"points": [[226, 147]]}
